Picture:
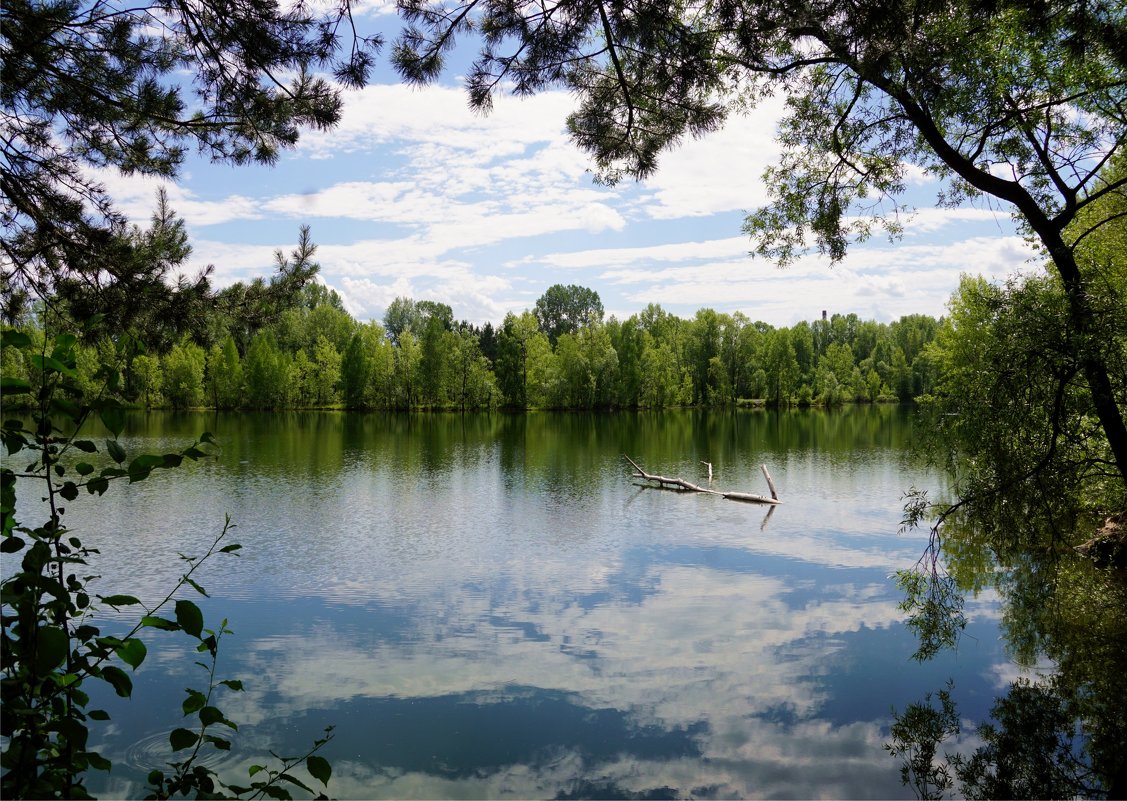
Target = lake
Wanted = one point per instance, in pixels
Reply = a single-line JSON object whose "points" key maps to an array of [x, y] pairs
{"points": [[488, 606]]}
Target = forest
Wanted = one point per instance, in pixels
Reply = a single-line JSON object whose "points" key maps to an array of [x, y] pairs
{"points": [[288, 342]]}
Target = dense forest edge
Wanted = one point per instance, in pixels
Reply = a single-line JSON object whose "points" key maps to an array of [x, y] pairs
{"points": [[288, 342]]}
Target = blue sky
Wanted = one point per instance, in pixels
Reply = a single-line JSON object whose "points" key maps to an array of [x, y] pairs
{"points": [[415, 195]]}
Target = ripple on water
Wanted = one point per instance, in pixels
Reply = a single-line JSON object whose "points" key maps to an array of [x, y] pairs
{"points": [[154, 752]]}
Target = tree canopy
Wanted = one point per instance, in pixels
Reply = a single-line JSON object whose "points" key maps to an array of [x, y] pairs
{"points": [[1022, 102], [133, 86]]}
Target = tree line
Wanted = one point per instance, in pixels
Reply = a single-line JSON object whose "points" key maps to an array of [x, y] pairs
{"points": [[313, 354]]}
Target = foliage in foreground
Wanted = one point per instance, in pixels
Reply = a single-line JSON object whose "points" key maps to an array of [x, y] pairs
{"points": [[52, 647]]}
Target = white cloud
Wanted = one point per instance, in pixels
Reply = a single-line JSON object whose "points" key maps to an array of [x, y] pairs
{"points": [[719, 172]]}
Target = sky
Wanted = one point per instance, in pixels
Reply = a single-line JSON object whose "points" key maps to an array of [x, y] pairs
{"points": [[414, 195]]}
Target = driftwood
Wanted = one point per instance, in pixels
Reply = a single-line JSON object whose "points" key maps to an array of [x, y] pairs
{"points": [[688, 486]]}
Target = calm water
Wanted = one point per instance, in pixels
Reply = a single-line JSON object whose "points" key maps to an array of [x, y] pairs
{"points": [[490, 606]]}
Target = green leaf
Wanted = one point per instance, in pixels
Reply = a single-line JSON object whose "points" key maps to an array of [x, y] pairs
{"points": [[69, 490], [85, 445], [50, 364], [118, 600], [52, 645], [120, 680], [233, 684], [84, 468], [253, 769], [132, 652], [190, 618], [194, 702], [113, 447], [153, 622], [210, 715], [218, 742], [197, 587], [146, 462], [182, 738], [230, 548], [97, 485], [113, 418], [98, 762], [11, 544], [98, 714], [66, 406], [14, 386], [319, 768], [14, 339]]}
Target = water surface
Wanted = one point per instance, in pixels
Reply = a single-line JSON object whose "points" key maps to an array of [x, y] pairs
{"points": [[489, 606]]}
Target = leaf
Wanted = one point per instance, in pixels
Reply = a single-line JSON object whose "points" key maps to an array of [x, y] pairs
{"points": [[190, 618], [84, 468], [66, 406], [218, 742], [153, 622], [194, 702], [118, 600], [253, 769], [182, 738], [14, 339], [319, 768], [97, 485], [120, 680], [11, 544], [147, 461], [233, 684], [50, 364], [98, 714], [197, 587], [85, 445], [98, 762], [14, 386], [113, 447], [69, 490], [210, 715], [230, 548], [113, 418], [51, 647], [132, 652]]}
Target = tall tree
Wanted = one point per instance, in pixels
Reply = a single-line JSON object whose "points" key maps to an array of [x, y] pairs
{"points": [[132, 87], [1023, 102], [567, 309]]}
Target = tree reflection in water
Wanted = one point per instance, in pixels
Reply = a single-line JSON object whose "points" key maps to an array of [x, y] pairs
{"points": [[1061, 736]]}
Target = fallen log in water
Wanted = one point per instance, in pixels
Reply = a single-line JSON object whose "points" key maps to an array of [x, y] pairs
{"points": [[687, 486]]}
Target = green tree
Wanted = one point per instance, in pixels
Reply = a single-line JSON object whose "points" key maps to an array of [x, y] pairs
{"points": [[183, 374], [567, 309], [225, 375], [408, 357], [83, 88], [265, 373], [325, 377], [149, 379], [355, 371], [1019, 102]]}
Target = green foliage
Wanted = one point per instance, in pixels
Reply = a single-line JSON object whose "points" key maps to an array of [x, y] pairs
{"points": [[83, 89], [567, 309], [183, 375], [1030, 750], [51, 648]]}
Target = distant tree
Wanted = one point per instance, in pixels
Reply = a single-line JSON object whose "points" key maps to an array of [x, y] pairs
{"points": [[355, 370], [148, 379], [183, 374], [265, 372], [566, 309], [325, 377]]}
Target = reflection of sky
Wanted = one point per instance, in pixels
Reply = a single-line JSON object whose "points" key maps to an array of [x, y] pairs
{"points": [[472, 634]]}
